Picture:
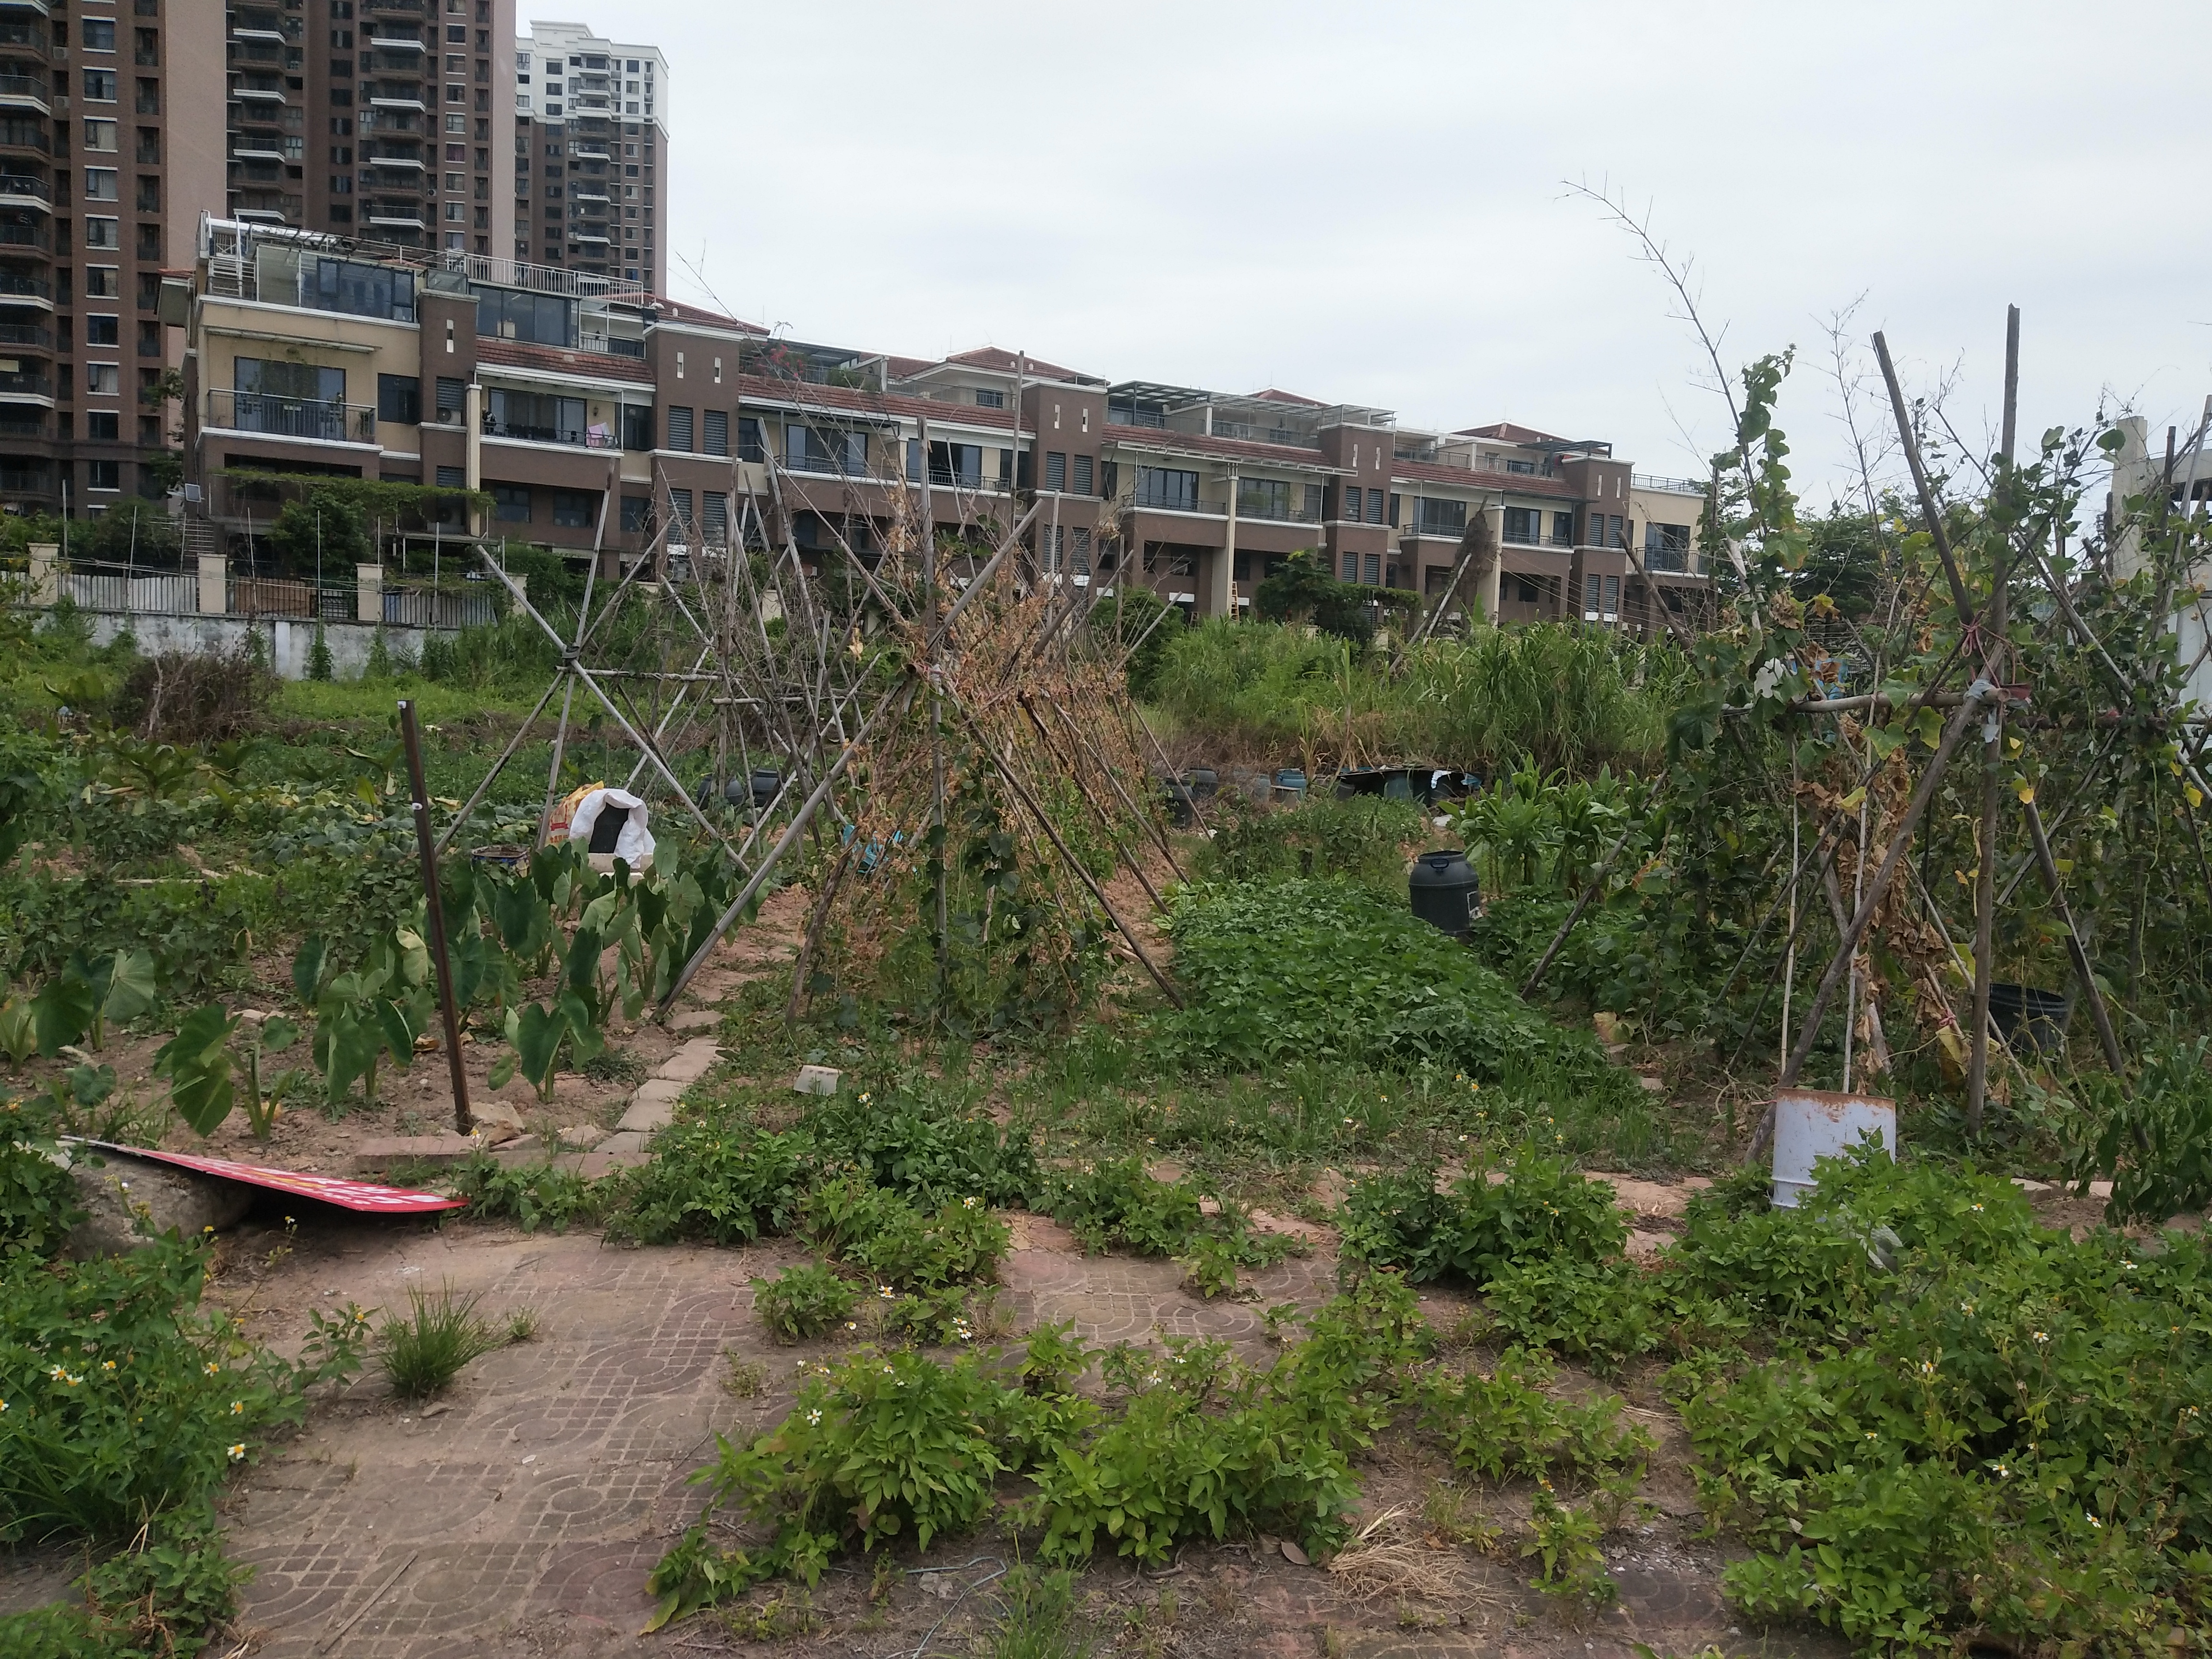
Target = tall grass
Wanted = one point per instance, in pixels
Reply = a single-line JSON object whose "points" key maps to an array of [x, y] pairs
{"points": [[1569, 697]]}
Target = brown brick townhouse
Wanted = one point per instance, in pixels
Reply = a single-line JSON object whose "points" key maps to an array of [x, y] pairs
{"points": [[598, 417]]}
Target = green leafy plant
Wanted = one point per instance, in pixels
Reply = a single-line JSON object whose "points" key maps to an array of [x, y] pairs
{"points": [[197, 1062], [803, 1301], [1567, 1545], [87, 995]]}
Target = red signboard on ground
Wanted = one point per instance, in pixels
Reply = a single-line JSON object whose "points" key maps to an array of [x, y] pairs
{"points": [[365, 1196]]}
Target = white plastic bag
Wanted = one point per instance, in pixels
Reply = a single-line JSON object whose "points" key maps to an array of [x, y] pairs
{"points": [[633, 846]]}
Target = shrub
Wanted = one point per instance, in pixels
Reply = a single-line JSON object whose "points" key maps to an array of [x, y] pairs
{"points": [[713, 1180], [1503, 1422], [532, 1196], [1363, 840], [803, 1301], [905, 1247], [188, 697], [122, 1400]]}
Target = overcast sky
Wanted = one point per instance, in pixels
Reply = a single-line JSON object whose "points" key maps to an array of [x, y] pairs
{"points": [[1364, 203]]}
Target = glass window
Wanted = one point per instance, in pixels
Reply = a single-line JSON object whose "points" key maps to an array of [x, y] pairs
{"points": [[362, 290], [989, 399], [1442, 517], [105, 378], [103, 233], [1055, 469], [103, 475], [534, 416], [574, 509], [1167, 488], [634, 511], [399, 399], [512, 314], [98, 135], [637, 427], [511, 503], [102, 185], [103, 330], [273, 378], [679, 428], [1563, 529], [718, 432], [97, 35], [1521, 525], [103, 426], [99, 86], [750, 446]]}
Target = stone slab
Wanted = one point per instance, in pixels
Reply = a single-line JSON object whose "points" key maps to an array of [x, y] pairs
{"points": [[817, 1080], [664, 1091], [646, 1115], [624, 1140], [695, 1020], [691, 1062]]}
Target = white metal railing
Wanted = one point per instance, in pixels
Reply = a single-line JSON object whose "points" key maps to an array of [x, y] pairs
{"points": [[118, 590]]}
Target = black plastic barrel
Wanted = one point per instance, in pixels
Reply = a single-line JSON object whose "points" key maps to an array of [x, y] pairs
{"points": [[2028, 1019], [1443, 890], [766, 780], [1203, 782]]}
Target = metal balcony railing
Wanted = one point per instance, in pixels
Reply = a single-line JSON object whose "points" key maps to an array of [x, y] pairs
{"points": [[21, 185], [24, 384], [1666, 486], [22, 135], [292, 418], [12, 286], [26, 334], [25, 89]]}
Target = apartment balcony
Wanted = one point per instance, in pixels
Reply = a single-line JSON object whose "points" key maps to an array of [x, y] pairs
{"points": [[24, 92], [397, 95], [259, 89], [21, 190], [35, 336], [1269, 515], [291, 417], [523, 432], [1664, 486], [17, 289], [27, 385], [37, 6], [19, 31], [591, 152], [373, 156], [265, 146], [394, 216], [589, 193], [406, 43], [407, 8], [22, 134], [24, 425], [24, 235]]}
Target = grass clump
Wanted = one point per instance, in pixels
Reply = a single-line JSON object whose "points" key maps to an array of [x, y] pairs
{"points": [[424, 1350], [1037, 1618], [1365, 841]]}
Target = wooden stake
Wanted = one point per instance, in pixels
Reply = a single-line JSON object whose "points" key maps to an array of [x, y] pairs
{"points": [[2077, 951], [1920, 483], [434, 917], [1075, 777], [1979, 693], [1986, 875]]}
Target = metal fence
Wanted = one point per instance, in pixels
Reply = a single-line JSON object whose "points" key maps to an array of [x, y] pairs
{"points": [[416, 607], [93, 589], [117, 588]]}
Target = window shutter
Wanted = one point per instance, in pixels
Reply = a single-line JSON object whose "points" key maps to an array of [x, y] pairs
{"points": [[718, 432]]}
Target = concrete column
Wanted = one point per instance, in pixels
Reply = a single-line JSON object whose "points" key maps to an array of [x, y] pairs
{"points": [[46, 588], [214, 584], [1493, 585], [472, 423], [1221, 590], [368, 593]]}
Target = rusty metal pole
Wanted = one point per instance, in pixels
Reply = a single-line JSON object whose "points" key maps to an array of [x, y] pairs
{"points": [[435, 914]]}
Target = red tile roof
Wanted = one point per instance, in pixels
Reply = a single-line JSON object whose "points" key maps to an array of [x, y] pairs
{"points": [[1468, 478], [591, 365], [852, 400], [1275, 396], [1505, 432], [676, 311], [1005, 362], [1198, 443]]}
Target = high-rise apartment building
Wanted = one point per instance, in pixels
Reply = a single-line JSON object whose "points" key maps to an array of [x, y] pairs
{"points": [[389, 120], [110, 144], [590, 155]]}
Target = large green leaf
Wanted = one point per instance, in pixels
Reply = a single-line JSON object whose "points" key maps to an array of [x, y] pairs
{"points": [[196, 1062], [19, 1032], [131, 989], [536, 1032], [62, 1012], [307, 970]]}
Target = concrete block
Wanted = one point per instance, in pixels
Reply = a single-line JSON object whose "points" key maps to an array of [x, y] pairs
{"points": [[662, 1091], [817, 1080], [595, 1165], [581, 1136], [691, 1062], [647, 1117], [374, 1157], [695, 1020], [624, 1140]]}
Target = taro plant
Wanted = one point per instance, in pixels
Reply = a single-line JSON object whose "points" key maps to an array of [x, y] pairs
{"points": [[366, 1013], [198, 1063], [79, 1001]]}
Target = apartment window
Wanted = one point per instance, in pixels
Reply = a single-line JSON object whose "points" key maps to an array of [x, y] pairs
{"points": [[1667, 546], [1375, 506], [1005, 469], [1394, 510], [1315, 495], [574, 509], [1374, 570], [1055, 469], [511, 503], [717, 431], [1109, 478], [103, 330], [634, 511], [750, 446], [1262, 498], [1563, 529], [679, 506], [1350, 571], [715, 523], [99, 135], [103, 475], [103, 426], [150, 243], [1521, 524], [1615, 531], [103, 233], [1435, 518], [637, 427], [102, 282], [103, 380], [535, 416], [985, 398], [399, 399], [149, 97], [96, 35], [1167, 488], [807, 450], [102, 185], [679, 428], [99, 86], [453, 398], [1080, 479]]}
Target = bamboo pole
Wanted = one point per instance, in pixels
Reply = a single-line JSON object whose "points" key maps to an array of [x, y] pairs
{"points": [[1920, 484], [1985, 873], [2076, 951]]}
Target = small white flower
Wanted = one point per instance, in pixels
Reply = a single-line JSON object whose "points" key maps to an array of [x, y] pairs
{"points": [[238, 1452], [813, 1416]]}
